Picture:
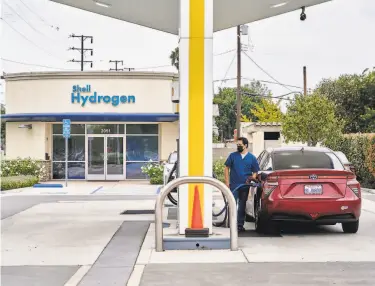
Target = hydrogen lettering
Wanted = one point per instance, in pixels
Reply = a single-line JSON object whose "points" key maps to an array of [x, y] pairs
{"points": [[82, 96]]}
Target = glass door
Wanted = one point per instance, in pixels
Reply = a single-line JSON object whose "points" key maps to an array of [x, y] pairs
{"points": [[105, 158], [95, 157], [115, 157]]}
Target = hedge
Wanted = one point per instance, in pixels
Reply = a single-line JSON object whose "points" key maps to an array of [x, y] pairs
{"points": [[360, 150], [16, 182], [22, 167]]}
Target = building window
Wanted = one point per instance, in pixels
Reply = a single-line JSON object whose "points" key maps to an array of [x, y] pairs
{"points": [[76, 152], [142, 146], [271, 135]]}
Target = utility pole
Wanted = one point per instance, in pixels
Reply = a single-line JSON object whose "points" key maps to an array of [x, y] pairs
{"points": [[304, 81], [116, 62], [82, 49], [238, 121]]}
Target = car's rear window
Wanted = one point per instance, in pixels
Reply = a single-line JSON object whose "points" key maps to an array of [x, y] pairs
{"points": [[296, 159], [342, 157]]}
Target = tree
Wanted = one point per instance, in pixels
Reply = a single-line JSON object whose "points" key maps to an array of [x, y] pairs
{"points": [[311, 119], [352, 94], [267, 111], [226, 99], [369, 120], [174, 57]]}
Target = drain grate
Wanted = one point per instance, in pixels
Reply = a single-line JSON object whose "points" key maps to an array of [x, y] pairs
{"points": [[137, 212]]}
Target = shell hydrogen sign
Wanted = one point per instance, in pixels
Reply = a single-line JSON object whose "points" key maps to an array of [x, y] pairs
{"points": [[94, 98]]}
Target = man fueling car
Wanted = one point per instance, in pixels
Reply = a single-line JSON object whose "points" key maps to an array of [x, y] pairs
{"points": [[241, 167]]}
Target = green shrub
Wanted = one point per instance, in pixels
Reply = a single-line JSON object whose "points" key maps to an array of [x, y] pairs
{"points": [[357, 149], [218, 169], [370, 159], [22, 167], [154, 172], [16, 182]]}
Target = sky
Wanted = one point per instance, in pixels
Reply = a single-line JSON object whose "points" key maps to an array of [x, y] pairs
{"points": [[337, 38]]}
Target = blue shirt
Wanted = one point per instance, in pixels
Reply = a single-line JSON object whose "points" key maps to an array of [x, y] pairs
{"points": [[241, 168]]}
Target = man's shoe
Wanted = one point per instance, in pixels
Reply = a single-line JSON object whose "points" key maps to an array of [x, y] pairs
{"points": [[241, 229]]}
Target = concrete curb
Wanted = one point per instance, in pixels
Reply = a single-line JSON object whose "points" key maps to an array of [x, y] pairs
{"points": [[371, 191]]}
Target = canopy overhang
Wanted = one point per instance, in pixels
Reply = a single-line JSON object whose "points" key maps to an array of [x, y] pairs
{"points": [[163, 15], [90, 117]]}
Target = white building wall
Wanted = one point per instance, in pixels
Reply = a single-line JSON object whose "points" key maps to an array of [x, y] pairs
{"points": [[23, 142], [258, 143], [168, 136]]}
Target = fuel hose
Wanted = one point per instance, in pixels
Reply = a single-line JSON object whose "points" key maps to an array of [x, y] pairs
{"points": [[224, 210]]}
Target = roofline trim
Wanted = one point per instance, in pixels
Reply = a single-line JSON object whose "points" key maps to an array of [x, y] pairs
{"points": [[90, 75], [90, 117]]}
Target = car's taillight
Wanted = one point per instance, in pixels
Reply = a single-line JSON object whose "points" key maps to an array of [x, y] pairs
{"points": [[355, 187], [269, 187]]}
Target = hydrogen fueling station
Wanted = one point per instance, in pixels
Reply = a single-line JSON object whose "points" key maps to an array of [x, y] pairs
{"points": [[194, 22]]}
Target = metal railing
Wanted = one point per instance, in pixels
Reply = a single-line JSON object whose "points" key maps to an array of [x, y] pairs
{"points": [[195, 180]]}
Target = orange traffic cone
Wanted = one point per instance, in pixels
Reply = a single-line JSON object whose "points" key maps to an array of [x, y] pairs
{"points": [[196, 220]]}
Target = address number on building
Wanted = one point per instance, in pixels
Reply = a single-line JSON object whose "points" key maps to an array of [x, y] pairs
{"points": [[105, 131]]}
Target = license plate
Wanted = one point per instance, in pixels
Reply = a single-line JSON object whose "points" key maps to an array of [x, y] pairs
{"points": [[313, 190]]}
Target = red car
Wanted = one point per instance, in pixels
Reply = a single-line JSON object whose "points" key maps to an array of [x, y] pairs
{"points": [[303, 184]]}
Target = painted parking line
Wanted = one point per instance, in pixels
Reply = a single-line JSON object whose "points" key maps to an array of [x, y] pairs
{"points": [[96, 190]]}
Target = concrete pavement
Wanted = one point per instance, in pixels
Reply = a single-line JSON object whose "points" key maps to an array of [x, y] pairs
{"points": [[83, 240]]}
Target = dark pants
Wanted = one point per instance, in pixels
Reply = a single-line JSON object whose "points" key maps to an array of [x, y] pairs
{"points": [[241, 198]]}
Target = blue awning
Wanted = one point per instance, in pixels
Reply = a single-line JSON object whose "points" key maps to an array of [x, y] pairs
{"points": [[90, 117]]}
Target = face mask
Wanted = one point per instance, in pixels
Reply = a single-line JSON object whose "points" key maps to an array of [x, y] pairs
{"points": [[240, 149]]}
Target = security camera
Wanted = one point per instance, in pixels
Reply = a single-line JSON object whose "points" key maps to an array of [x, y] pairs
{"points": [[303, 15]]}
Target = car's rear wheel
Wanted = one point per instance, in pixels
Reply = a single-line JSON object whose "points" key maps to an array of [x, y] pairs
{"points": [[350, 227], [259, 220], [262, 224]]}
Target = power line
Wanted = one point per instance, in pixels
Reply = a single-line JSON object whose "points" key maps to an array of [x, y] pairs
{"points": [[11, 8], [51, 67], [154, 67], [255, 80], [230, 65], [280, 97], [36, 14], [266, 71], [226, 52], [29, 24], [37, 65], [30, 41]]}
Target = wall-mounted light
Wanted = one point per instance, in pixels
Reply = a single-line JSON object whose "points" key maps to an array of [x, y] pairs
{"points": [[27, 126]]}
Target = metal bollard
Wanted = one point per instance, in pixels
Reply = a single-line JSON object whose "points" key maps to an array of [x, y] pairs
{"points": [[195, 180]]}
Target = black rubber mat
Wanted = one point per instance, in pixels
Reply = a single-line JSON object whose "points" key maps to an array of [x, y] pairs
{"points": [[172, 214], [135, 212], [253, 233]]}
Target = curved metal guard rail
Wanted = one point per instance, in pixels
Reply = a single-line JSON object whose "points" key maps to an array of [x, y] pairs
{"points": [[195, 180]]}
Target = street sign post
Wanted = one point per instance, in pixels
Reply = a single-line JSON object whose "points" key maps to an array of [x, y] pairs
{"points": [[66, 135]]}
